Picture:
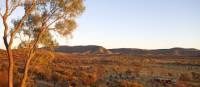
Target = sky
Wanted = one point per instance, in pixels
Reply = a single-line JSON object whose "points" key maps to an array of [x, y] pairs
{"points": [[146, 24]]}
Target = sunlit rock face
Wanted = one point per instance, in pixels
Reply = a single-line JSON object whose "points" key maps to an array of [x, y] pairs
{"points": [[158, 52], [90, 49]]}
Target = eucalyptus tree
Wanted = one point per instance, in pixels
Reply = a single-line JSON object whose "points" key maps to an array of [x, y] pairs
{"points": [[39, 18]]}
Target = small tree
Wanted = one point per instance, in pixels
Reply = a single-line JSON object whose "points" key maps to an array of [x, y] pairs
{"points": [[39, 18]]}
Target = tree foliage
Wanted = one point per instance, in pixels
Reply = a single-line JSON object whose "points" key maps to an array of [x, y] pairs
{"points": [[50, 16], [39, 19]]}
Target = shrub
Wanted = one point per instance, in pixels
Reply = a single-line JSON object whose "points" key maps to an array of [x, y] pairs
{"points": [[186, 77], [196, 76], [181, 84]]}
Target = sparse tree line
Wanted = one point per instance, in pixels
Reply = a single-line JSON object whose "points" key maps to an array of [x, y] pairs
{"points": [[34, 28]]}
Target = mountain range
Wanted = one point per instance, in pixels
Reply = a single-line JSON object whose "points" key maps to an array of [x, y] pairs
{"points": [[90, 49], [93, 49]]}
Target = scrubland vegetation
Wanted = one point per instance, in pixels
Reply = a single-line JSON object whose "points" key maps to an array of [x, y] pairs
{"points": [[40, 23], [62, 70]]}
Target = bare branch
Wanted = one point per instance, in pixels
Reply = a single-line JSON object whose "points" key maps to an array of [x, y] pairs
{"points": [[1, 15], [55, 20], [14, 7], [7, 9], [51, 13], [52, 29], [5, 16]]}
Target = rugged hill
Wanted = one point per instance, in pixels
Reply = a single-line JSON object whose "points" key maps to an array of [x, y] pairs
{"points": [[129, 51], [90, 49], [158, 52], [93, 49]]}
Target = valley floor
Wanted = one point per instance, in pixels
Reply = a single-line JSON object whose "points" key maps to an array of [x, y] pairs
{"points": [[63, 70]]}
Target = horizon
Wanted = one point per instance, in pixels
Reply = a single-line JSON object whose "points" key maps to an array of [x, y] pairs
{"points": [[127, 47], [118, 47], [140, 24]]}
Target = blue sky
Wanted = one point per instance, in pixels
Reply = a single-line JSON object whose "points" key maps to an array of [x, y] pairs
{"points": [[147, 24]]}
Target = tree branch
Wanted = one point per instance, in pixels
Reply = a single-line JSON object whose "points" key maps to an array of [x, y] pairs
{"points": [[17, 28], [14, 7], [1, 15], [7, 9], [55, 21], [52, 11]]}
